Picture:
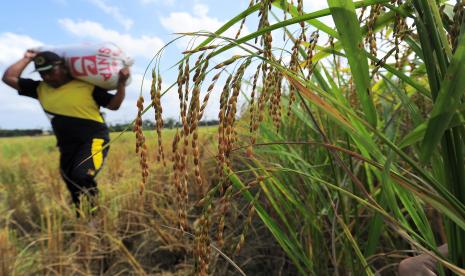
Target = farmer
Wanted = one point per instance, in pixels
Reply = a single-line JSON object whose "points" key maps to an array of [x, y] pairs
{"points": [[73, 107]]}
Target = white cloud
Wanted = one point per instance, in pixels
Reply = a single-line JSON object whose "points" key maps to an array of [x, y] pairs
{"points": [[199, 20], [143, 46], [114, 12], [182, 22], [313, 6], [19, 112], [15, 111], [185, 22], [201, 10], [13, 46]]}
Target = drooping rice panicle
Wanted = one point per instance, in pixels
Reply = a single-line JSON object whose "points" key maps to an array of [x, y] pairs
{"points": [[243, 22], [141, 146], [207, 95], [370, 38], [252, 110]]}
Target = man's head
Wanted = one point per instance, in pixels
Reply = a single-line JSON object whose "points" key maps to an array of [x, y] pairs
{"points": [[45, 60], [51, 68]]}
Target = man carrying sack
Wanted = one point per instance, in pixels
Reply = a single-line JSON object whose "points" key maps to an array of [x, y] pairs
{"points": [[73, 107]]}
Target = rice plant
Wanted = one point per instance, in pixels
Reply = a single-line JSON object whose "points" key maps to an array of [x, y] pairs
{"points": [[351, 147]]}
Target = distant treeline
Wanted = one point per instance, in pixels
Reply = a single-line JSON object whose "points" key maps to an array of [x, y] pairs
{"points": [[146, 124], [168, 123], [21, 132]]}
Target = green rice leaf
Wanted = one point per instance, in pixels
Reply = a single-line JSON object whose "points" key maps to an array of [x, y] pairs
{"points": [[447, 102], [350, 35]]}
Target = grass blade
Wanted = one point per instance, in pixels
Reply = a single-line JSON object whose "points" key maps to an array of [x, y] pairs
{"points": [[350, 35], [447, 102]]}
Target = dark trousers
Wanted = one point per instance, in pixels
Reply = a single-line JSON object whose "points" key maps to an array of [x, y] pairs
{"points": [[79, 164]]}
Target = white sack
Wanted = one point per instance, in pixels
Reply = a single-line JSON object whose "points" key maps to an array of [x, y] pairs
{"points": [[98, 64]]}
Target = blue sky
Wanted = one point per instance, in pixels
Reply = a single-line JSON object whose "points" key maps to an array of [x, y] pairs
{"points": [[139, 27]]}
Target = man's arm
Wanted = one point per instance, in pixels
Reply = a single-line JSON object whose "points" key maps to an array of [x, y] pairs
{"points": [[118, 98], [12, 73]]}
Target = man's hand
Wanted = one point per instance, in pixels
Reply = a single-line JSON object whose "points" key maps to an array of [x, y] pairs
{"points": [[13, 72], [30, 54], [123, 75], [423, 264]]}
